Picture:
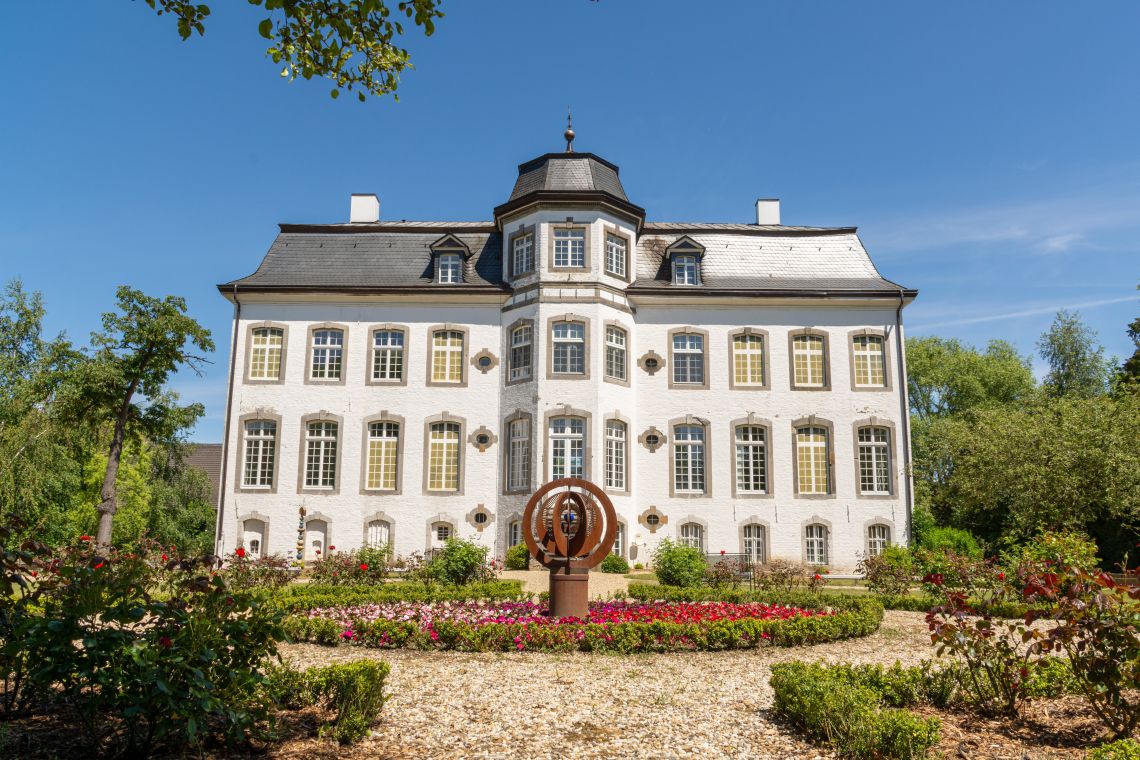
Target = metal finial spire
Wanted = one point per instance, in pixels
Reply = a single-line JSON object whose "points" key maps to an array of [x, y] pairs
{"points": [[569, 133]]}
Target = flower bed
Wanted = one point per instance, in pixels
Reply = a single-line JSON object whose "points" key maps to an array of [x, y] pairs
{"points": [[611, 626]]}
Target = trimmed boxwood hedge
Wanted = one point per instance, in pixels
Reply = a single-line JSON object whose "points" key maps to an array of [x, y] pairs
{"points": [[304, 597]]}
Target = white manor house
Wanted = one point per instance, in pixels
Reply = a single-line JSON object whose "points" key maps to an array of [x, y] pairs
{"points": [[736, 387]]}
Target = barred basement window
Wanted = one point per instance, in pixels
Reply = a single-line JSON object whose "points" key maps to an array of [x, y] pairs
{"points": [[383, 445], [379, 534], [443, 456], [615, 353], [260, 448], [265, 354], [320, 455], [874, 461], [388, 355], [869, 364]]}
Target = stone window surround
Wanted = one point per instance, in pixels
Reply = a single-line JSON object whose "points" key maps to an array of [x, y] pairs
{"points": [[515, 416], [886, 386], [492, 363], [473, 439], [892, 436], [813, 421], [663, 519], [568, 224], [462, 465], [662, 439], [692, 519], [756, 520], [239, 481], [586, 335], [508, 520], [690, 420], [817, 520], [521, 322], [463, 373], [255, 515], [523, 229], [618, 417], [868, 524], [814, 332], [766, 356], [609, 228], [480, 509], [605, 348], [309, 379], [320, 517], [754, 421], [380, 517], [437, 519], [320, 416], [587, 448], [382, 416], [284, 328], [371, 333], [621, 537], [646, 357], [690, 330]]}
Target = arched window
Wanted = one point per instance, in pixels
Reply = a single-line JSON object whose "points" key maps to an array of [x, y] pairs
{"points": [[869, 361], [747, 359], [815, 544], [447, 356], [383, 459], [388, 355], [754, 544], [874, 461], [265, 353], [812, 455], [689, 459], [567, 447], [320, 454], [518, 455], [878, 539], [443, 456], [514, 533], [751, 459], [615, 454], [260, 448], [693, 534], [379, 534], [328, 354]]}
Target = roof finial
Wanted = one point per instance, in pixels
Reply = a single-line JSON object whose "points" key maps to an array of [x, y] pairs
{"points": [[569, 133]]}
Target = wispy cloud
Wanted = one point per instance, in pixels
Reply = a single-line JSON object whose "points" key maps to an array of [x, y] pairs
{"points": [[1022, 313]]}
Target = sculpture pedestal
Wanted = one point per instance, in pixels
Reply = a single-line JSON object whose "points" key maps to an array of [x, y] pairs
{"points": [[569, 593]]}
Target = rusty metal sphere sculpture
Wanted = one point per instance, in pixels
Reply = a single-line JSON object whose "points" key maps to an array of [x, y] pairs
{"points": [[569, 524]]}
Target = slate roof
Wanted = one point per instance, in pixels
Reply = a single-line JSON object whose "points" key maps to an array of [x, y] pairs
{"points": [[568, 173]]}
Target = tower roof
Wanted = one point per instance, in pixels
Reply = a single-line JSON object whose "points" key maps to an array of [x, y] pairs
{"points": [[569, 177]]}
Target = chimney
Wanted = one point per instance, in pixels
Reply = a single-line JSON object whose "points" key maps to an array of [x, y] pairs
{"points": [[365, 208], [768, 211]]}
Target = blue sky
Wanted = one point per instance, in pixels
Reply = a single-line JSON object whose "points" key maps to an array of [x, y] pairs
{"points": [[988, 152]]}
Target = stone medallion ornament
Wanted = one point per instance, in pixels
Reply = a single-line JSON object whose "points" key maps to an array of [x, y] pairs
{"points": [[569, 526]]}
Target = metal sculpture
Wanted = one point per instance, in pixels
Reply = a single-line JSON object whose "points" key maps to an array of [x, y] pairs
{"points": [[569, 526]]}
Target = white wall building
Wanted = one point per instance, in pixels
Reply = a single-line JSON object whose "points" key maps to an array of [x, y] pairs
{"points": [[740, 387]]}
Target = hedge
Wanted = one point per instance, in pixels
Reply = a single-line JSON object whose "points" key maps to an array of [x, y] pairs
{"points": [[354, 690], [304, 597], [843, 705]]}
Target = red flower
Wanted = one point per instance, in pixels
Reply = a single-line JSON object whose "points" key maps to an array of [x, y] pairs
{"points": [[332, 548], [239, 552], [818, 576], [318, 551], [98, 565], [722, 552], [1001, 576], [85, 538], [363, 566], [165, 642], [164, 558]]}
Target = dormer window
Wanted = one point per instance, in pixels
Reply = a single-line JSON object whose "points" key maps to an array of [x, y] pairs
{"points": [[449, 253], [449, 269], [685, 261]]}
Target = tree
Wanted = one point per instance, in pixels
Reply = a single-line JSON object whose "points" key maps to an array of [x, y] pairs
{"points": [[1077, 366], [1130, 370], [945, 378], [138, 349], [347, 41]]}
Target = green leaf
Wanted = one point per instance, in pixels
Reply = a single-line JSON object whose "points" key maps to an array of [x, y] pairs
{"points": [[265, 28], [335, 93]]}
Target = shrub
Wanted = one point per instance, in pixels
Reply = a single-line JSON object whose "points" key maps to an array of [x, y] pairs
{"points": [[678, 565], [299, 598], [614, 564], [365, 566], [639, 566], [355, 691], [244, 572], [959, 541], [841, 709], [460, 562], [1061, 549], [780, 575], [891, 572], [724, 573], [1124, 749], [518, 557]]}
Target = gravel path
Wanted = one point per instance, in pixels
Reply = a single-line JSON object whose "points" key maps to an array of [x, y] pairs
{"points": [[540, 705]]}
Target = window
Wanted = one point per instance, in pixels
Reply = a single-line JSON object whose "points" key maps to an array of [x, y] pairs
{"points": [[522, 254], [443, 456], [320, 455], [693, 534], [878, 539], [615, 454], [748, 359], [440, 532], [379, 534], [520, 359], [751, 459], [869, 364], [383, 445], [569, 248], [255, 547], [615, 255], [615, 353], [447, 356], [449, 268], [260, 447], [265, 353], [253, 536], [514, 533], [569, 346], [689, 459], [688, 359], [567, 447], [815, 544], [685, 270], [874, 461], [328, 350], [807, 361], [811, 460], [388, 355], [518, 464], [754, 543], [619, 541]]}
